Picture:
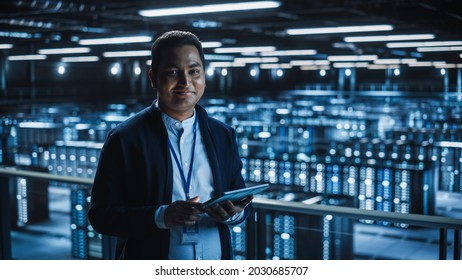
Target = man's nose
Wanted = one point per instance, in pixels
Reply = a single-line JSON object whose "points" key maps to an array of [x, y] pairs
{"points": [[184, 78]]}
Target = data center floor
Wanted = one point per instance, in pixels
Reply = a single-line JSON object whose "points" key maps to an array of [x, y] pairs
{"points": [[50, 240]]}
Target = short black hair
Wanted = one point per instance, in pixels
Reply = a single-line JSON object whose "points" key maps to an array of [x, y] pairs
{"points": [[172, 39]]}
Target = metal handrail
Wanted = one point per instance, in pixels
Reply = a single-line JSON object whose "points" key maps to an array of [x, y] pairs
{"points": [[443, 223], [11, 171], [318, 209]]}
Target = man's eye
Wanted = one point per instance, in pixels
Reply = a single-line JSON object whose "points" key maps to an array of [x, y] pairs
{"points": [[195, 72], [171, 73]]}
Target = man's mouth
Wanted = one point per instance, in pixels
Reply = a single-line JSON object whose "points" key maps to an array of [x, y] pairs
{"points": [[183, 92]]}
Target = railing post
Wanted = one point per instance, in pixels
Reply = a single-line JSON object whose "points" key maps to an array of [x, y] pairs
{"points": [[443, 243], [251, 226], [261, 234], [457, 244], [5, 219]]}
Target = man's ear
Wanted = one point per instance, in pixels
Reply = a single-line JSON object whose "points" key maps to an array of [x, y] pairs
{"points": [[153, 78]]}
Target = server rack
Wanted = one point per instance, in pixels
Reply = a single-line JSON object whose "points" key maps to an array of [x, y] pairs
{"points": [[289, 236], [31, 196]]}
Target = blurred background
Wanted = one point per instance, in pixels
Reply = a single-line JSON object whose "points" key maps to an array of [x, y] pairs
{"points": [[351, 110]]}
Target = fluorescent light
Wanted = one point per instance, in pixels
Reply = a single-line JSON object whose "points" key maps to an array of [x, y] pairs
{"points": [[275, 66], [80, 59], [219, 57], [408, 60], [206, 45], [340, 29], [377, 66], [245, 49], [27, 57], [309, 62], [440, 49], [389, 38], [387, 61], [421, 64], [127, 53], [450, 65], [116, 40], [350, 64], [395, 61], [6, 46], [214, 8], [313, 67], [256, 59], [222, 64], [423, 44], [351, 57], [64, 51], [289, 52]]}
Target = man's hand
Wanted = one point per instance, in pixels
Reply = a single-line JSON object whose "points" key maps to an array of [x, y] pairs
{"points": [[222, 212], [183, 212]]}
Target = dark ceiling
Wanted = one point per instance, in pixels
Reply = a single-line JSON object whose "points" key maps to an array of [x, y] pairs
{"points": [[55, 24]]}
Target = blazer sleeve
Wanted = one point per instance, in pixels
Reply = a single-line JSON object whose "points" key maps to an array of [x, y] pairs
{"points": [[110, 210]]}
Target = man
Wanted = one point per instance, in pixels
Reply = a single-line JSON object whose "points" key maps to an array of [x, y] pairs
{"points": [[157, 167]]}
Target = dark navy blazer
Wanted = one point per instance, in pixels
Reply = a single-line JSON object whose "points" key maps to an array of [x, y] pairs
{"points": [[134, 177]]}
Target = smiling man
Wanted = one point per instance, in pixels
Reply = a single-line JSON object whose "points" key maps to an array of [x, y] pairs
{"points": [[157, 167]]}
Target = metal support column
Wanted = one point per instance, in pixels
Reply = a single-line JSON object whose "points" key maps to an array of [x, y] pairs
{"points": [[459, 79], [251, 226], [5, 220], [443, 243], [457, 244], [261, 237], [3, 66]]}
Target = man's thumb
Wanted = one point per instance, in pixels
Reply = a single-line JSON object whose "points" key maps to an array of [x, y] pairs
{"points": [[195, 199]]}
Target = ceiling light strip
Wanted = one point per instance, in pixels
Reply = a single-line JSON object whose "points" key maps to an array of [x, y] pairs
{"points": [[206, 45], [116, 40], [6, 46], [350, 65], [127, 53], [440, 49], [309, 62], [289, 52], [27, 57], [423, 44], [245, 49], [64, 50], [214, 8], [256, 59], [80, 59], [224, 64], [389, 38], [275, 66], [340, 29], [314, 67], [352, 57]]}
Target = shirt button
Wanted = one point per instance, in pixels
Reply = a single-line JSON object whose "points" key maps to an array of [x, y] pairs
{"points": [[177, 124], [185, 164]]}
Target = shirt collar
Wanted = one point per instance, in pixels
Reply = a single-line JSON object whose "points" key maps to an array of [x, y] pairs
{"points": [[176, 125]]}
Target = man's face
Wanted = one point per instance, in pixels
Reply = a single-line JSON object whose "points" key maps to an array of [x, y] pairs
{"points": [[180, 81]]}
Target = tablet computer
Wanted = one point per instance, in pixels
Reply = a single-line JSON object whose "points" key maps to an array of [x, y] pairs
{"points": [[236, 195]]}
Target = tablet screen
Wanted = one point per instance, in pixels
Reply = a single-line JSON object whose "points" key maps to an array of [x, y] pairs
{"points": [[236, 195]]}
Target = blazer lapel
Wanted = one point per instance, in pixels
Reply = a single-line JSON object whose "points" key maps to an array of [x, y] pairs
{"points": [[210, 147]]}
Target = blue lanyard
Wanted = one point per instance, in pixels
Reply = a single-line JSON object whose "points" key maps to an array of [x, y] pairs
{"points": [[186, 183]]}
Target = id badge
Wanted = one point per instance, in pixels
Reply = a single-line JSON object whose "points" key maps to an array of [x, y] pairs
{"points": [[190, 235]]}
